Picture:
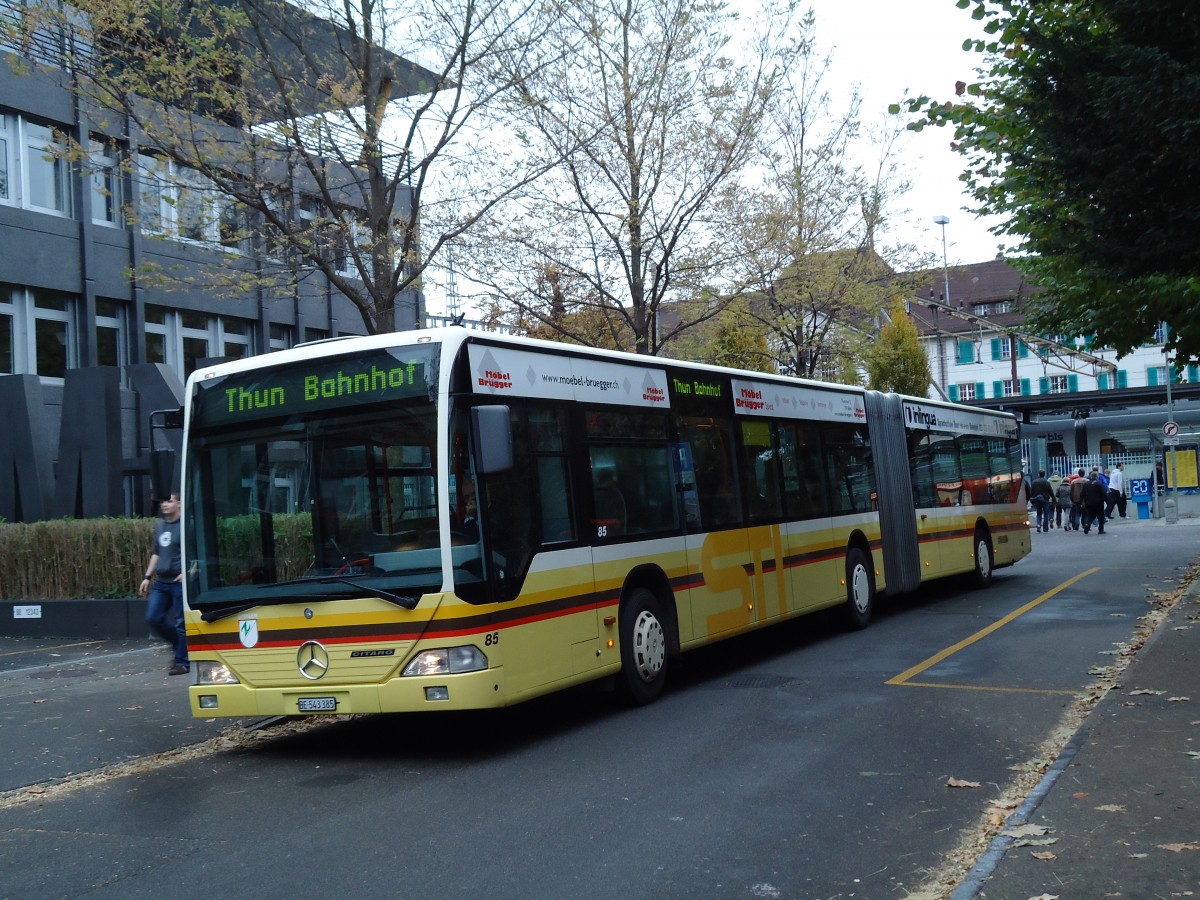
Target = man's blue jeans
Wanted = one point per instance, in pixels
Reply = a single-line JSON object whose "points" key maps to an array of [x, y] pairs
{"points": [[164, 614], [1045, 513]]}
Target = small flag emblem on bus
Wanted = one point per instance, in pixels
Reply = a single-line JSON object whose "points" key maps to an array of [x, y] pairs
{"points": [[248, 632]]}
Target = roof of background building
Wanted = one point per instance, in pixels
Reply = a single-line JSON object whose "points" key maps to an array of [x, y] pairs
{"points": [[991, 282]]}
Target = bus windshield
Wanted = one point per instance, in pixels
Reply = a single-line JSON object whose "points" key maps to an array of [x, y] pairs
{"points": [[316, 481]]}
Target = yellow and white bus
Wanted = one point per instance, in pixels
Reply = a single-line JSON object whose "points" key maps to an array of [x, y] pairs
{"points": [[449, 519]]}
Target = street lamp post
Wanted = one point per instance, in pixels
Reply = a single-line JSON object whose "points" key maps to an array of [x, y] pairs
{"points": [[1171, 503], [944, 221]]}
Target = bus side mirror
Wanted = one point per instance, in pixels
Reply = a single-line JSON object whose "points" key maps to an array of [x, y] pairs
{"points": [[492, 429], [162, 473]]}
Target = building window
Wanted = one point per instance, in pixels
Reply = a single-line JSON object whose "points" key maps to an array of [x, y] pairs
{"points": [[315, 334], [177, 202], [108, 195], [7, 363], [1058, 384], [1161, 333], [52, 334], [1002, 306], [46, 169], [281, 337], [236, 338], [966, 390], [182, 339], [5, 163], [37, 333], [110, 333]]}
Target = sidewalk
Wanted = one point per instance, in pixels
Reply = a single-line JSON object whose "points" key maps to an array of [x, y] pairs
{"points": [[1118, 814]]}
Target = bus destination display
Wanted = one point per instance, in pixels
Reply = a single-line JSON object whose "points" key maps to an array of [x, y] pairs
{"points": [[400, 374]]}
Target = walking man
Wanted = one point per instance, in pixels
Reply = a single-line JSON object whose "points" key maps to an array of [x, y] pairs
{"points": [[1094, 497], [163, 584], [1041, 495], [1116, 492]]}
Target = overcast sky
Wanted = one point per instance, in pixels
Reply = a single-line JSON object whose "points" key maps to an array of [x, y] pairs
{"points": [[889, 47]]}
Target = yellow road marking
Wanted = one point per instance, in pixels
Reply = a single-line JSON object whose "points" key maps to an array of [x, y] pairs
{"points": [[55, 647], [904, 677], [984, 687]]}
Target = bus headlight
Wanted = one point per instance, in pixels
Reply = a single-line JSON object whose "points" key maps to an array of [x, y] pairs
{"points": [[447, 661], [208, 672]]}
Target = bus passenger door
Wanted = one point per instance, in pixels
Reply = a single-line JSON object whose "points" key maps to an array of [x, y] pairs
{"points": [[721, 568], [936, 495], [813, 564]]}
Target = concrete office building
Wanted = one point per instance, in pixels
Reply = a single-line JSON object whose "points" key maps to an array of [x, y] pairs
{"points": [[88, 352]]}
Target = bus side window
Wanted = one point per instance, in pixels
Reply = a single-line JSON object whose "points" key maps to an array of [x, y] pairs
{"points": [[610, 508], [633, 487], [850, 468], [760, 462], [711, 442], [804, 490]]}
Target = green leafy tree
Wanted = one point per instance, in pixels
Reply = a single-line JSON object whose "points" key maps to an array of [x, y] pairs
{"points": [[1082, 132], [896, 362]]}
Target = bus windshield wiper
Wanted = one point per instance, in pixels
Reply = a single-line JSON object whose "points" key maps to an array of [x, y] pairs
{"points": [[400, 600]]}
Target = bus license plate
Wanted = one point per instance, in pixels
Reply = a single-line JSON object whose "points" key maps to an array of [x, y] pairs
{"points": [[317, 704]]}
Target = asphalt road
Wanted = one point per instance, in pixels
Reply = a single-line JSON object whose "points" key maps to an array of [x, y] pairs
{"points": [[800, 762]]}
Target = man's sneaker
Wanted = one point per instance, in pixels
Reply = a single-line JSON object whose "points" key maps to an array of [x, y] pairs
{"points": [[178, 669]]}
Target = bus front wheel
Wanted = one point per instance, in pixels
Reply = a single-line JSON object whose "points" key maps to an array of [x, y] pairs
{"points": [[643, 672], [984, 561], [860, 589]]}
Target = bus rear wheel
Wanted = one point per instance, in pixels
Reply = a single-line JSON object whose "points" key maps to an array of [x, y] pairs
{"points": [[643, 672], [860, 589]]}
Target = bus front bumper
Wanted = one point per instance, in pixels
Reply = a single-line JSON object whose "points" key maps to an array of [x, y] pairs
{"points": [[469, 690]]}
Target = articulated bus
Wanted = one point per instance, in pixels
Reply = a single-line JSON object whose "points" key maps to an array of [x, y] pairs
{"points": [[449, 519]]}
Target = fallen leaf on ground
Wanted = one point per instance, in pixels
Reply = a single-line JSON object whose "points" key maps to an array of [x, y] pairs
{"points": [[1110, 807], [1176, 848], [1043, 855], [1028, 830], [959, 783], [1045, 897], [1035, 842], [132, 708], [1178, 699], [1080, 795], [35, 790]]}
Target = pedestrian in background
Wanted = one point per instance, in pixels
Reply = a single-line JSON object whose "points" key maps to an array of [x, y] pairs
{"points": [[163, 586], [1078, 481], [1062, 508], [1116, 492], [1042, 497], [1094, 497]]}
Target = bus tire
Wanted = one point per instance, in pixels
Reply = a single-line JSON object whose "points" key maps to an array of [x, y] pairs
{"points": [[860, 589], [643, 635], [984, 560]]}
